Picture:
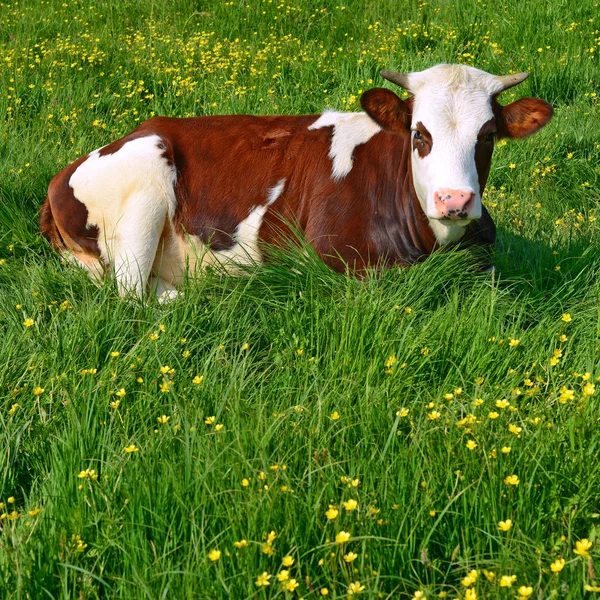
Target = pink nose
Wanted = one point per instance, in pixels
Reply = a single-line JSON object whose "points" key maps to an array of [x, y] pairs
{"points": [[454, 204]]}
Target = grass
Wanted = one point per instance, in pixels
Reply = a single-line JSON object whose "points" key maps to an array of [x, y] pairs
{"points": [[327, 388]]}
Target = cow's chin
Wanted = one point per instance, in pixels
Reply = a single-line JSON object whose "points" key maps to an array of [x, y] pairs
{"points": [[454, 222], [449, 231]]}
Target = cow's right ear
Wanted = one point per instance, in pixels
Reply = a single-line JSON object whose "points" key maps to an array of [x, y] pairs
{"points": [[386, 109]]}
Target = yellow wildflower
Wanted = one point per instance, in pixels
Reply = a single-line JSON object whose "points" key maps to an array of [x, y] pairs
{"points": [[350, 504], [131, 448], [287, 561], [565, 394], [350, 557], [214, 555], [582, 547], [198, 379], [558, 565], [525, 591], [515, 429], [505, 525], [263, 579], [390, 361], [241, 544], [470, 579], [332, 513], [507, 580], [342, 537], [28, 322], [355, 588], [511, 480]]}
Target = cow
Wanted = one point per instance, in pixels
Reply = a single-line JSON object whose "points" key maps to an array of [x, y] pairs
{"points": [[386, 186]]}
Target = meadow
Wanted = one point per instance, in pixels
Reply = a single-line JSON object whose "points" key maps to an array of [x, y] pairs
{"points": [[430, 432]]}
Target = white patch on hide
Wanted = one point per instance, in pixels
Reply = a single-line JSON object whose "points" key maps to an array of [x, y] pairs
{"points": [[349, 130]]}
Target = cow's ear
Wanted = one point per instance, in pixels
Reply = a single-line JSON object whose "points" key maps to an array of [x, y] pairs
{"points": [[386, 109], [523, 117]]}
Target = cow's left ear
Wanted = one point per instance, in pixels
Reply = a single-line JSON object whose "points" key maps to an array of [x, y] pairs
{"points": [[523, 117], [386, 109]]}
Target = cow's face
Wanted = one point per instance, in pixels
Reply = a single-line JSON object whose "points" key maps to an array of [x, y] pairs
{"points": [[453, 119]]}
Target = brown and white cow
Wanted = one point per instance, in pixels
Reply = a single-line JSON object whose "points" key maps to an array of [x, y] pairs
{"points": [[383, 186]]}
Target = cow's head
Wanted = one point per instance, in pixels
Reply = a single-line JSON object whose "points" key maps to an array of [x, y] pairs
{"points": [[453, 118]]}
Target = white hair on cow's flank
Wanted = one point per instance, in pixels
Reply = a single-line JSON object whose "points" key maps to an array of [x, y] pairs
{"points": [[196, 254], [129, 195]]}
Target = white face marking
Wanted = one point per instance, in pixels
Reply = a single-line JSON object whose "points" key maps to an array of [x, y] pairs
{"points": [[349, 130], [128, 194], [452, 102]]}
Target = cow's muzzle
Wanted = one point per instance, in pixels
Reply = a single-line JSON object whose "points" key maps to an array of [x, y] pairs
{"points": [[455, 205]]}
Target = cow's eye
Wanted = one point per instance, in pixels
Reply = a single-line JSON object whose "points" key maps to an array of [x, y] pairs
{"points": [[490, 137], [418, 135]]}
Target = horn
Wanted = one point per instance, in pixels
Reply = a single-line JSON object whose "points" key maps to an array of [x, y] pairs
{"points": [[400, 79], [508, 81]]}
